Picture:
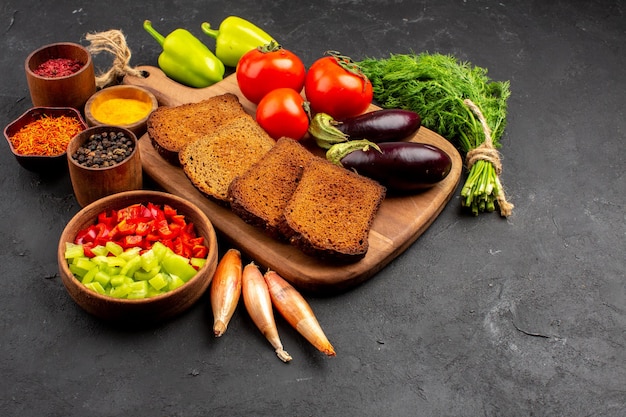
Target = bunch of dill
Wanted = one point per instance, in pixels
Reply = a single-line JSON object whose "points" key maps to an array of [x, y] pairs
{"points": [[459, 102]]}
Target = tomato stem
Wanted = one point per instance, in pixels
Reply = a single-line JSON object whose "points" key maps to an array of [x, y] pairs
{"points": [[349, 65], [272, 46]]}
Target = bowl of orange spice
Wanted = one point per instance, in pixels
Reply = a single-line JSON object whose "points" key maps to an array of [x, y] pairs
{"points": [[125, 106], [39, 137]]}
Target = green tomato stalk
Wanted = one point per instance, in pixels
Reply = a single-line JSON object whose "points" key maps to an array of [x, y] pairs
{"points": [[322, 128]]}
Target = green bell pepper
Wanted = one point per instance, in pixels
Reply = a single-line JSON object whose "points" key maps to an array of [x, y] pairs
{"points": [[185, 59], [236, 37]]}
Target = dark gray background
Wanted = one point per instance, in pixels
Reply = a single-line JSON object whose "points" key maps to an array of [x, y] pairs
{"points": [[482, 316]]}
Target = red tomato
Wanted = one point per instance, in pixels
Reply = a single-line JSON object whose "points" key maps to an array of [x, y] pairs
{"points": [[264, 69], [282, 113], [335, 85]]}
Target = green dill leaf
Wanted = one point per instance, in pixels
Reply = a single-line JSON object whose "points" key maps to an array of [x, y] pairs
{"points": [[435, 85]]}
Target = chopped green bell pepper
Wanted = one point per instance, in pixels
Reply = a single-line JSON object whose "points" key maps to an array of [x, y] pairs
{"points": [[236, 37], [186, 59]]}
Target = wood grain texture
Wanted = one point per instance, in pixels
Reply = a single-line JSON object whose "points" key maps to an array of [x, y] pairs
{"points": [[399, 222]]}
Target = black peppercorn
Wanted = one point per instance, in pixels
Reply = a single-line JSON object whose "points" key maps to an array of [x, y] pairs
{"points": [[104, 149]]}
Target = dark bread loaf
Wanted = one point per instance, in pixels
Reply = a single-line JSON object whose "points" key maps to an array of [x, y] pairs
{"points": [[330, 214], [213, 161], [172, 128], [259, 196]]}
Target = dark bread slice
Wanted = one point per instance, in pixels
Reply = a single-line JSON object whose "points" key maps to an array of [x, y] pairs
{"points": [[330, 214], [259, 196], [172, 128], [213, 161]]}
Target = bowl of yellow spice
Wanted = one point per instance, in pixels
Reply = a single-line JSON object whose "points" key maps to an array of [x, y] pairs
{"points": [[125, 106]]}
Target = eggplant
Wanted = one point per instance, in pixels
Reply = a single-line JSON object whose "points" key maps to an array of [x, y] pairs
{"points": [[402, 167], [376, 126]]}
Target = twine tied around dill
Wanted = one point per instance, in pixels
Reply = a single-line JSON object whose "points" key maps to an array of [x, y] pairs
{"points": [[487, 152], [114, 42]]}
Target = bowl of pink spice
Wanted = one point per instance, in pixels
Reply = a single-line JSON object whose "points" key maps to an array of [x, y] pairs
{"points": [[60, 75]]}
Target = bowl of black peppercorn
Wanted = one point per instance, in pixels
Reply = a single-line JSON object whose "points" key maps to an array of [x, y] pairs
{"points": [[103, 160]]}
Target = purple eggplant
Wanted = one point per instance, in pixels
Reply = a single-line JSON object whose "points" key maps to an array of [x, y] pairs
{"points": [[376, 126], [402, 167]]}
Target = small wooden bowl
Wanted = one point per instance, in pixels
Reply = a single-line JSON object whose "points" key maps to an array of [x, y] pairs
{"points": [[147, 310], [70, 91], [126, 92], [90, 184], [40, 163]]}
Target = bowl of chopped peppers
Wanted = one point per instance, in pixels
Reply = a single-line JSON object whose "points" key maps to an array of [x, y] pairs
{"points": [[39, 137], [137, 256]]}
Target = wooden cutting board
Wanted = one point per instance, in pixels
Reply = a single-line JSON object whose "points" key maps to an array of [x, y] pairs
{"points": [[399, 222]]}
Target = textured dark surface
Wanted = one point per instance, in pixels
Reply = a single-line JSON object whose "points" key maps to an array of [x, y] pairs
{"points": [[480, 317]]}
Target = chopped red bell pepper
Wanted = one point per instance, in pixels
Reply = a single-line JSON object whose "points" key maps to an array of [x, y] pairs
{"points": [[181, 247], [141, 226], [157, 213], [108, 219], [169, 243], [87, 249], [199, 251], [86, 235], [169, 211], [178, 219], [167, 230], [197, 241], [126, 228], [131, 241], [102, 234], [130, 212]]}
